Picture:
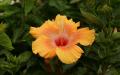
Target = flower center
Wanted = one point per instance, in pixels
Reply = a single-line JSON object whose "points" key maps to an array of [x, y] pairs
{"points": [[61, 41]]}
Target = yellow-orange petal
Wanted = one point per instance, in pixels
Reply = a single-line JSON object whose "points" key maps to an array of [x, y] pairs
{"points": [[43, 46], [66, 25], [71, 28], [60, 19], [48, 28], [35, 31], [85, 36], [70, 54]]}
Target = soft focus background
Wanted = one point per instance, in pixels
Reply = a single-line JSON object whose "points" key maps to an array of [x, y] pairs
{"points": [[16, 17]]}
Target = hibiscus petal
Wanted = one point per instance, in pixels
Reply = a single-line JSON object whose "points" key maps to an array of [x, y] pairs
{"points": [[85, 36], [48, 28], [35, 31], [60, 19], [43, 47], [66, 25], [71, 27], [70, 54]]}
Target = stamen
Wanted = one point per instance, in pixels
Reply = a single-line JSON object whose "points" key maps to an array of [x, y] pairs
{"points": [[61, 41], [61, 26]]}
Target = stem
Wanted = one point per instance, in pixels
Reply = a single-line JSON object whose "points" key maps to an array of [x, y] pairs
{"points": [[58, 70], [23, 15], [48, 67]]}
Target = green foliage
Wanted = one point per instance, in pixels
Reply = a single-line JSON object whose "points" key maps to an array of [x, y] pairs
{"points": [[2, 27], [5, 2], [59, 4], [28, 6], [5, 41], [102, 58], [90, 17]]}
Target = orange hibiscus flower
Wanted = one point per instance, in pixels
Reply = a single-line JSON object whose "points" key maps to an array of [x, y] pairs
{"points": [[59, 37]]}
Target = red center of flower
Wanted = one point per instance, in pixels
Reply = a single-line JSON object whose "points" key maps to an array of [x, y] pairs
{"points": [[61, 41]]}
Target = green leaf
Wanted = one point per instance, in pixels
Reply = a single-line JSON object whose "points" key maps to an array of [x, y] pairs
{"points": [[113, 59], [28, 6], [2, 27], [36, 72], [5, 64], [25, 56], [80, 71], [100, 37], [112, 71], [27, 38], [2, 72], [116, 35], [8, 12], [6, 53], [74, 1], [5, 2], [59, 4], [91, 17], [90, 3], [16, 34], [67, 67], [5, 41], [104, 9]]}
